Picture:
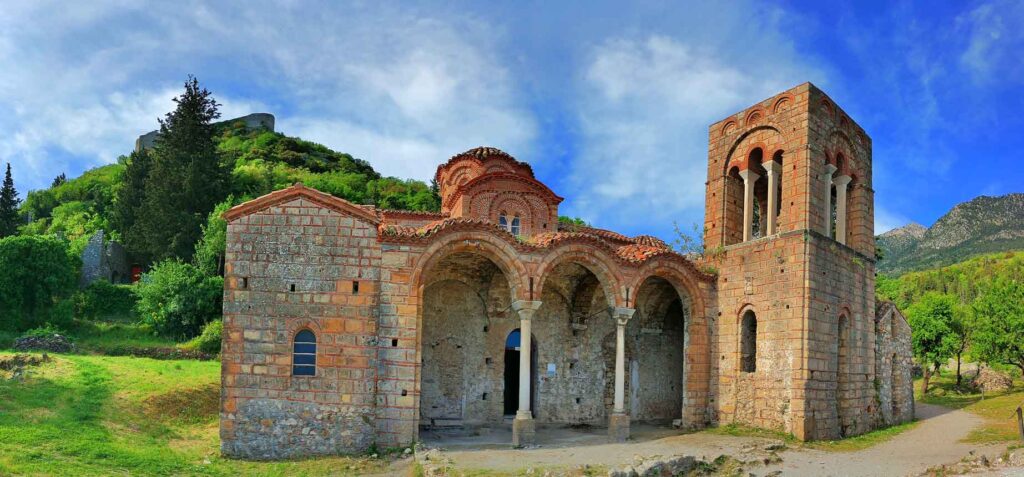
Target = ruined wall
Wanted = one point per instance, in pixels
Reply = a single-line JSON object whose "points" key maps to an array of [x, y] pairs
{"points": [[290, 267], [893, 365]]}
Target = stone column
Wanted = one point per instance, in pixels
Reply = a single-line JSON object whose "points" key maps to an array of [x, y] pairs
{"points": [[829, 170], [523, 428], [774, 169], [618, 422], [749, 178], [841, 183]]}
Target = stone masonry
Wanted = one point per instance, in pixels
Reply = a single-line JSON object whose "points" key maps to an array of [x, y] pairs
{"points": [[491, 311]]}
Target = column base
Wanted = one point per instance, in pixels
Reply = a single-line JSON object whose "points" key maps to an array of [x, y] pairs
{"points": [[618, 427], [524, 431]]}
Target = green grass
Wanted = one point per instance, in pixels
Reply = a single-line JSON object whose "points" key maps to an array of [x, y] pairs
{"points": [[98, 336], [997, 408], [100, 415]]}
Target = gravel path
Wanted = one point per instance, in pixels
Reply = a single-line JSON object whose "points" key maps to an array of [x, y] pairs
{"points": [[934, 441]]}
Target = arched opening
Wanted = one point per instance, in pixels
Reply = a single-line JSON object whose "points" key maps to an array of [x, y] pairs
{"points": [[576, 361], [779, 216], [759, 216], [656, 342], [513, 350], [843, 372], [467, 315], [733, 226], [304, 354], [748, 342]]}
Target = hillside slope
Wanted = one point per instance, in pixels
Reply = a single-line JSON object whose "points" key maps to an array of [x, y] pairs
{"points": [[982, 225]]}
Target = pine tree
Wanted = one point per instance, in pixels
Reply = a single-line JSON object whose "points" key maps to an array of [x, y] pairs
{"points": [[61, 179], [129, 199], [8, 206], [186, 179]]}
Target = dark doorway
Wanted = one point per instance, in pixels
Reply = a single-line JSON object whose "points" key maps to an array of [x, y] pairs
{"points": [[512, 350]]}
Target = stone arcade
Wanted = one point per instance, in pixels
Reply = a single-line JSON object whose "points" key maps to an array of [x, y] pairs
{"points": [[347, 326]]}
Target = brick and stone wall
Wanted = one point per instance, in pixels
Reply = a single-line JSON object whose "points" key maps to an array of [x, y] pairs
{"points": [[289, 267]]}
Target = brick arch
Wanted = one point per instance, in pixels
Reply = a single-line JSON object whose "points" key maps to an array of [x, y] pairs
{"points": [[597, 261], [698, 328], [490, 246], [512, 204]]}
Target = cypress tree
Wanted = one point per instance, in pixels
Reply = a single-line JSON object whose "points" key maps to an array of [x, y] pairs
{"points": [[186, 179], [9, 206], [129, 200]]}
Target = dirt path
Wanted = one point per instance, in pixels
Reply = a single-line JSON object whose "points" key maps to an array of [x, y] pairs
{"points": [[934, 441]]}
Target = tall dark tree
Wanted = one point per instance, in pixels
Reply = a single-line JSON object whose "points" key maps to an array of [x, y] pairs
{"points": [[186, 178], [62, 178], [8, 206], [129, 200]]}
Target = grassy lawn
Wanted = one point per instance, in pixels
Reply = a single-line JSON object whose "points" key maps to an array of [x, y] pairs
{"points": [[101, 415], [997, 408]]}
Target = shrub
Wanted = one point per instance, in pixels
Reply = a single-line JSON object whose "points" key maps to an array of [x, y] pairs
{"points": [[37, 276], [177, 299], [104, 300], [209, 340]]}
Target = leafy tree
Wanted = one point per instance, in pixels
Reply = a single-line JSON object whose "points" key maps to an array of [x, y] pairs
{"points": [[59, 180], [129, 199], [963, 329], [210, 249], [690, 242], [177, 299], [933, 327], [37, 276], [186, 179], [999, 337], [8, 206]]}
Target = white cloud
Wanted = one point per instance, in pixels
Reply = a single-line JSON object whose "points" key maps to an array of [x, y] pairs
{"points": [[646, 105], [886, 220], [994, 41], [400, 89]]}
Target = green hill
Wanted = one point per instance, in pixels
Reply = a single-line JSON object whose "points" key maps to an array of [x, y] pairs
{"points": [[965, 280], [262, 161], [981, 225]]}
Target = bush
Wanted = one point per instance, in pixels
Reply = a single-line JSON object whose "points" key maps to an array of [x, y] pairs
{"points": [[209, 340], [177, 299], [104, 300], [37, 275]]}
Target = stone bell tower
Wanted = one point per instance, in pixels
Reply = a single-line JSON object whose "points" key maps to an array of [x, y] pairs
{"points": [[789, 224]]}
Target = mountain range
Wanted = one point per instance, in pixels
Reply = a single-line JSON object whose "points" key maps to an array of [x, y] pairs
{"points": [[981, 225]]}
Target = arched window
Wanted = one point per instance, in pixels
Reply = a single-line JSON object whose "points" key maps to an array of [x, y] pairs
{"points": [[777, 157], [515, 226], [304, 354], [503, 221], [748, 342]]}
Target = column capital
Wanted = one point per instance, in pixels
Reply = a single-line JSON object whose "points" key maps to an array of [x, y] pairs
{"points": [[749, 175], [773, 168], [830, 169], [841, 181], [526, 308], [622, 314]]}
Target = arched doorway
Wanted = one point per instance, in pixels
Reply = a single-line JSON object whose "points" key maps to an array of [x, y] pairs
{"points": [[655, 350], [513, 352], [466, 317], [576, 361]]}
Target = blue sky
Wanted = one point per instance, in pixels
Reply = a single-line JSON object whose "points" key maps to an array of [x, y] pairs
{"points": [[610, 103]]}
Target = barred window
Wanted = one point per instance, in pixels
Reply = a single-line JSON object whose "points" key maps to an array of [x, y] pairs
{"points": [[515, 226], [304, 354], [503, 221]]}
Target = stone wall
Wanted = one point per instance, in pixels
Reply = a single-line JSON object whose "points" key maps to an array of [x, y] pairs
{"points": [[289, 267], [104, 260]]}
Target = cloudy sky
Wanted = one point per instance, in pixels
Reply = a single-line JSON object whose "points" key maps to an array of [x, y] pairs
{"points": [[610, 103]]}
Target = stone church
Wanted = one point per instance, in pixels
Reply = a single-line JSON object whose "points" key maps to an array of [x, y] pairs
{"points": [[347, 326]]}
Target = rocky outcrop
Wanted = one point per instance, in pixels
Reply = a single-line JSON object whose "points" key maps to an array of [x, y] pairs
{"points": [[981, 225]]}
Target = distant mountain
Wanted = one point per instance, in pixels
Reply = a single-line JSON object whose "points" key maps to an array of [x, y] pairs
{"points": [[981, 225]]}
